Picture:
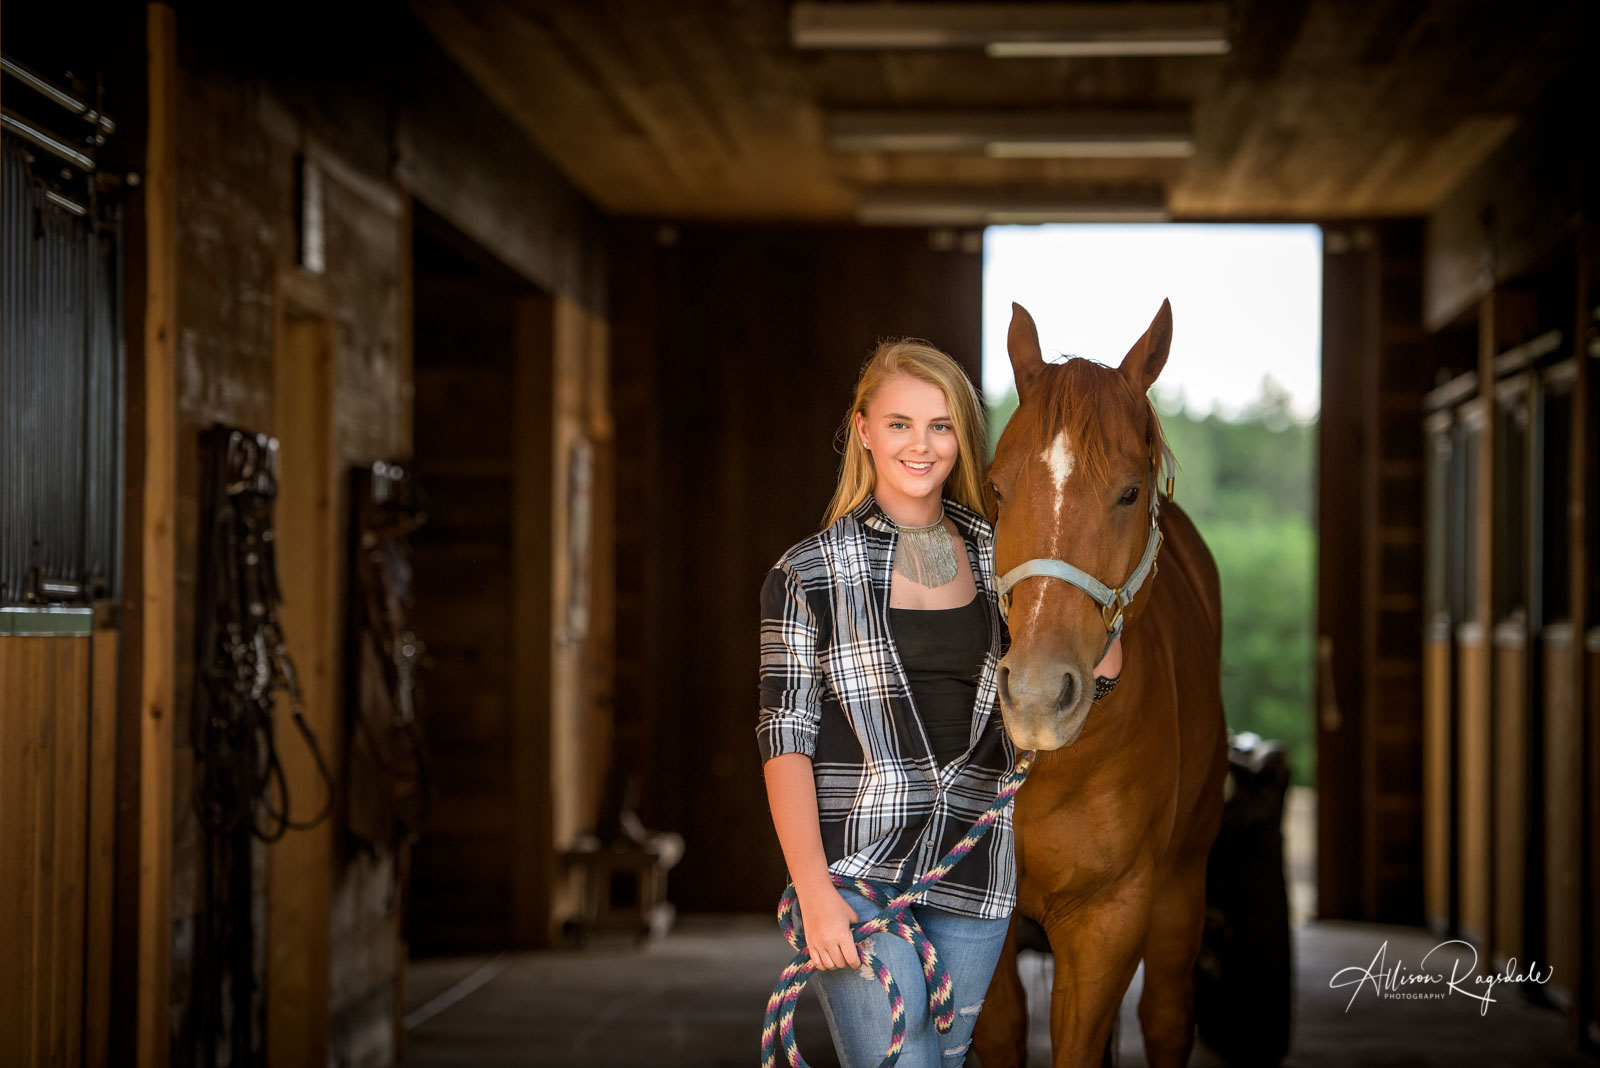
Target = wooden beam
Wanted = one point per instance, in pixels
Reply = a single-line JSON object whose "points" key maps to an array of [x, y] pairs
{"points": [[405, 268], [532, 643], [567, 769], [1369, 389], [63, 904], [158, 542], [600, 653], [103, 658], [1476, 670], [300, 878], [1580, 486], [1347, 334]]}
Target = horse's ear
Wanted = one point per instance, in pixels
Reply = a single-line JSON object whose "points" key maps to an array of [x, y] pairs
{"points": [[1022, 341], [1144, 361]]}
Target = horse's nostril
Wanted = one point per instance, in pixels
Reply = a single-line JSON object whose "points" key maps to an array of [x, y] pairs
{"points": [[1069, 692], [1004, 679]]}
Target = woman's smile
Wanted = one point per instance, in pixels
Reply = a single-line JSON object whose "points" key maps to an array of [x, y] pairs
{"points": [[911, 437]]}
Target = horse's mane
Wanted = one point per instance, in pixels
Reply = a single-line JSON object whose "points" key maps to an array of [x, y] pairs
{"points": [[1072, 396]]}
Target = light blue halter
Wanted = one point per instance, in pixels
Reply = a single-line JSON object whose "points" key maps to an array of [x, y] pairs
{"points": [[1111, 600]]}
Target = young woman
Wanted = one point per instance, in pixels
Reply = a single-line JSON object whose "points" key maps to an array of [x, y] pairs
{"points": [[880, 728]]}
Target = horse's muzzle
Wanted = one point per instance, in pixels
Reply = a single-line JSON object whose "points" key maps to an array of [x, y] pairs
{"points": [[1043, 709]]}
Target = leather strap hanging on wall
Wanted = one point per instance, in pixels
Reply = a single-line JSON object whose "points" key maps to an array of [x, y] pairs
{"points": [[242, 665], [388, 792]]}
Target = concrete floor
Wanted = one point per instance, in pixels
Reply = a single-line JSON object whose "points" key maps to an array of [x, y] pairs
{"points": [[697, 998]]}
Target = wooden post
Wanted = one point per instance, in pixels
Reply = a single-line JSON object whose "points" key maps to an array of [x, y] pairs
{"points": [[405, 304], [102, 842], [1579, 486], [577, 343], [1367, 710], [1347, 338], [158, 542], [532, 642], [1475, 767], [300, 878]]}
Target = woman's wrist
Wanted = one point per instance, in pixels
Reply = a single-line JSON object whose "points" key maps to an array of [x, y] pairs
{"points": [[813, 883]]}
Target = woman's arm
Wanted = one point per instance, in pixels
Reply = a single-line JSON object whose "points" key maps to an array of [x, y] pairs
{"points": [[786, 733], [792, 795]]}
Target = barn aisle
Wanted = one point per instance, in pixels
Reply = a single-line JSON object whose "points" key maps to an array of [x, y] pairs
{"points": [[693, 998], [696, 998]]}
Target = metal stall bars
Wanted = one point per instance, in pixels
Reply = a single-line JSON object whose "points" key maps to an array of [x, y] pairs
{"points": [[61, 360]]}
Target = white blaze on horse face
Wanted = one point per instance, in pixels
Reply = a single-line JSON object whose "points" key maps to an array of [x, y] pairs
{"points": [[1058, 457], [1060, 460]]}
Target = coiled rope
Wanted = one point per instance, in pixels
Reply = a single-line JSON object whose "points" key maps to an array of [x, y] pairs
{"points": [[896, 919]]}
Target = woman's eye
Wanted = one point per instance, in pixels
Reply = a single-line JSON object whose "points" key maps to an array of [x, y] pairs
{"points": [[943, 426], [1129, 495], [897, 426]]}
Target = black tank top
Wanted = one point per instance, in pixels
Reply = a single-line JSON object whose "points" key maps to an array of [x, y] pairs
{"points": [[942, 650]]}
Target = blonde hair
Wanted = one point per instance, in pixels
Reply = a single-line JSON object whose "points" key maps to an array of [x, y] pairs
{"points": [[920, 360]]}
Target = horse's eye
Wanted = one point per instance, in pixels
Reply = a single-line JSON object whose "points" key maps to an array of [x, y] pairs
{"points": [[1129, 495], [996, 491]]}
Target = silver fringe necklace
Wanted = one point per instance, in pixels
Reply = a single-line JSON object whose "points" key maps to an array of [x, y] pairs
{"points": [[925, 555]]}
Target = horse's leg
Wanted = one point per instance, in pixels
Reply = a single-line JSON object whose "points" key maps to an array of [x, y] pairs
{"points": [[1097, 951], [1166, 1008], [1001, 1038]]}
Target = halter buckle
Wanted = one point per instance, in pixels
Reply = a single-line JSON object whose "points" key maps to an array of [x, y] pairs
{"points": [[1111, 614]]}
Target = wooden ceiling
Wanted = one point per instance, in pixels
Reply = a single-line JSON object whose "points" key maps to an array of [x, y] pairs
{"points": [[1322, 108]]}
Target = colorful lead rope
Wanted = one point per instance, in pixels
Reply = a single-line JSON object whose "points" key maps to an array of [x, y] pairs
{"points": [[896, 919]]}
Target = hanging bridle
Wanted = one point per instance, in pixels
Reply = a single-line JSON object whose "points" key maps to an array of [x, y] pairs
{"points": [[1112, 600]]}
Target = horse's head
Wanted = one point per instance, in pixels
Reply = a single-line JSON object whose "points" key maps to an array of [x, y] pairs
{"points": [[1074, 476]]}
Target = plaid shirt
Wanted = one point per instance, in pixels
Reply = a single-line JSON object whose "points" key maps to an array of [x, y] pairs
{"points": [[833, 688]]}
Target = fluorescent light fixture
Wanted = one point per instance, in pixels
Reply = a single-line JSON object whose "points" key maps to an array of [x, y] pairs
{"points": [[977, 207], [1008, 30], [1010, 135]]}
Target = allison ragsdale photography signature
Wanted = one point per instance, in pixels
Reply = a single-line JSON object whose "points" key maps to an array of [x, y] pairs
{"points": [[1400, 981]]}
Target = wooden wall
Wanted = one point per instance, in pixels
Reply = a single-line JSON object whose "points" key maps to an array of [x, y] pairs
{"points": [[57, 748], [1507, 681], [215, 304], [467, 433], [1369, 687], [735, 352], [1511, 258], [236, 246], [513, 428]]}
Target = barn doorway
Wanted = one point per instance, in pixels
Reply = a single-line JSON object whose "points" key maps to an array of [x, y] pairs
{"points": [[1239, 399], [480, 874]]}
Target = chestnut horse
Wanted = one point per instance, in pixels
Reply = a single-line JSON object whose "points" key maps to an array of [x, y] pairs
{"points": [[1116, 819]]}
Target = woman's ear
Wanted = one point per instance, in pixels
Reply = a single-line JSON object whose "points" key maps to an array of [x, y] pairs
{"points": [[861, 430]]}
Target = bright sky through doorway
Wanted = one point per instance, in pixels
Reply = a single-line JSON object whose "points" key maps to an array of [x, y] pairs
{"points": [[1246, 304]]}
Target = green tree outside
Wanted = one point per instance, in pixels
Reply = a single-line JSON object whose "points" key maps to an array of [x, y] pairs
{"points": [[1249, 485]]}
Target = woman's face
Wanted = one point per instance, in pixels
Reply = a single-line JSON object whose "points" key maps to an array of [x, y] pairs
{"points": [[908, 431]]}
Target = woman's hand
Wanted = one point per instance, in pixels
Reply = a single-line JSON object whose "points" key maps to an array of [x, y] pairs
{"points": [[827, 917], [1111, 665]]}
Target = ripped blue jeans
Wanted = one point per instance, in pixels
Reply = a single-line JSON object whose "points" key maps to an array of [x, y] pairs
{"points": [[858, 1010]]}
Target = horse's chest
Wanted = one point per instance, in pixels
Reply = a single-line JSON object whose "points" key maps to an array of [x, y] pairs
{"points": [[1078, 836]]}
